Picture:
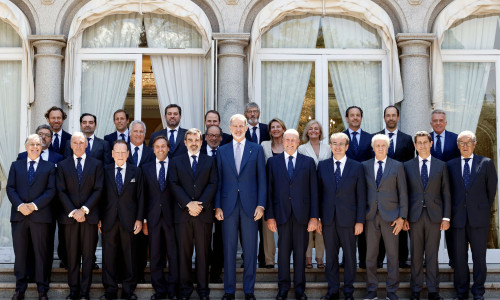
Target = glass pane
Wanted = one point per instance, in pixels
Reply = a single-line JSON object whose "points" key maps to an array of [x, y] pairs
{"points": [[335, 120], [308, 111], [120, 31], [474, 32], [8, 36], [349, 32], [293, 32], [166, 31]]}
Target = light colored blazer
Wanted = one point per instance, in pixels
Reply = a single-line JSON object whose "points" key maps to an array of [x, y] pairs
{"points": [[324, 152], [268, 151]]}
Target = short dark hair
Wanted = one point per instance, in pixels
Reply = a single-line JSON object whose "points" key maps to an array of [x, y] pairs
{"points": [[220, 129], [213, 111], [86, 115], [121, 111], [53, 108], [161, 137], [44, 126], [391, 106], [119, 142], [351, 107], [424, 134], [172, 106]]}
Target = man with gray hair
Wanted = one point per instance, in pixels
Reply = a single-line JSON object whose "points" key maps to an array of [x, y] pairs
{"points": [[45, 133]]}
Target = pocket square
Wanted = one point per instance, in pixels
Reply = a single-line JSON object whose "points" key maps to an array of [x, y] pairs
{"points": [[132, 180]]}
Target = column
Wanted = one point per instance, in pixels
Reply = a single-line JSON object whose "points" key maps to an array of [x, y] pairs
{"points": [[417, 105], [231, 81]]}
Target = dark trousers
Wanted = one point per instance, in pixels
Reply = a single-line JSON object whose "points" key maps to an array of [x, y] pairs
{"points": [[335, 236], [403, 248], [141, 256], [81, 243], [477, 238], [200, 232], [116, 240], [424, 239], [448, 235], [262, 256], [292, 237], [162, 243], [216, 258], [39, 233], [61, 246]]}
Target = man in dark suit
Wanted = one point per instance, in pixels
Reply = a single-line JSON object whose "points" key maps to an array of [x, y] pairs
{"points": [[55, 116], [45, 133], [212, 118], [193, 180], [386, 210], [444, 148], [121, 120], [80, 181], [473, 183], [174, 133], [342, 192], [429, 213], [31, 188], [240, 202], [159, 221], [401, 149], [292, 211], [122, 213]]}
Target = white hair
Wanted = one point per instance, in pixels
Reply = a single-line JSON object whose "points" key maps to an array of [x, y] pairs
{"points": [[79, 135], [293, 132], [338, 135], [31, 137], [381, 137], [466, 133], [137, 122], [237, 117]]}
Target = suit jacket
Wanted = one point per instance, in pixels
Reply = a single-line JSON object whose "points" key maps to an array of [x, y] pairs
{"points": [[187, 187], [100, 150], [298, 195], [148, 155], [450, 150], [249, 184], [264, 133], [73, 195], [436, 195], [54, 157], [405, 150], [65, 138], [112, 137], [179, 147], [157, 204], [226, 138], [390, 199], [365, 151], [41, 191], [472, 204], [324, 152], [344, 204], [129, 205]]}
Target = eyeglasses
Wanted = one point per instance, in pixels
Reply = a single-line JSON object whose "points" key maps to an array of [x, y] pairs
{"points": [[469, 144], [338, 144], [211, 136], [422, 143], [47, 135]]}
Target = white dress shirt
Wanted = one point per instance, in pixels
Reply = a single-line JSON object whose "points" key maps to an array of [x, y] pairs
{"points": [[158, 167], [375, 166], [118, 137], [59, 134], [82, 162], [421, 163], [294, 159], [139, 152], [394, 137], [175, 133], [257, 131], [35, 166], [124, 168], [358, 136], [45, 155], [443, 136], [242, 147], [342, 164], [463, 163], [209, 150], [91, 141], [191, 159]]}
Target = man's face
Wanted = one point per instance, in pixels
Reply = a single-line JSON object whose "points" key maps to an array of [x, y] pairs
{"points": [[354, 118], [88, 125], [252, 114], [466, 145], [213, 137], [160, 148], [380, 148], [339, 147], [55, 120], [290, 143], [391, 118], [78, 145], [46, 137], [121, 122], [193, 143], [423, 146], [137, 134], [212, 120], [173, 117], [34, 148], [238, 129], [438, 123], [120, 154]]}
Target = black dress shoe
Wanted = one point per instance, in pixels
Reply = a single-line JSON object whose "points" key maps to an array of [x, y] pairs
{"points": [[18, 296], [301, 297], [63, 265], [228, 296], [129, 297], [362, 265], [348, 297], [334, 296], [434, 296], [84, 297], [72, 296], [159, 296], [342, 265], [172, 296], [416, 296], [250, 296], [215, 279], [478, 298], [458, 297], [95, 266], [184, 298], [269, 266], [43, 296], [403, 265], [282, 296], [380, 264], [205, 298], [107, 296]]}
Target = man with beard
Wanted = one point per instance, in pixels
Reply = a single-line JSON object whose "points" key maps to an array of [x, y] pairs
{"points": [[55, 116], [174, 133]]}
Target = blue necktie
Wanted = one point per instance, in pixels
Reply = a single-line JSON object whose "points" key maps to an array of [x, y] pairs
{"points": [[87, 150], [122, 135], [171, 139], [214, 153], [31, 172], [55, 144], [424, 174], [338, 176], [380, 172], [391, 146], [135, 156], [466, 174], [161, 176], [254, 134], [195, 163], [290, 167], [79, 169], [354, 142], [119, 180], [439, 150]]}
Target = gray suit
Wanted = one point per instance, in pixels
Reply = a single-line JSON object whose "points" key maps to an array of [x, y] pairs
{"points": [[385, 203], [428, 207]]}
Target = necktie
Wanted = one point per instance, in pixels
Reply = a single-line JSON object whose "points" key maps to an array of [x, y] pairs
{"points": [[214, 153], [79, 169], [195, 163], [237, 157], [55, 144], [338, 176], [171, 139], [254, 134], [135, 156], [391, 146], [87, 150], [31, 172], [119, 180], [380, 172], [354, 142], [424, 174], [466, 174], [161, 176], [290, 167], [122, 135], [439, 150]]}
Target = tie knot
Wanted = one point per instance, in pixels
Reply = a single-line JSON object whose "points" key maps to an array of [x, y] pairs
{"points": [[32, 163], [391, 134], [290, 158], [136, 148], [79, 159], [337, 163], [56, 134], [467, 159], [193, 156], [255, 128], [172, 130], [380, 162], [119, 169], [438, 136], [354, 133], [162, 163], [424, 161], [88, 139]]}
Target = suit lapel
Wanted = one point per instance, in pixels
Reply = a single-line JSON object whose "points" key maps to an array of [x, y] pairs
{"points": [[345, 173], [187, 165], [247, 151], [415, 167], [433, 171], [230, 151], [111, 174], [298, 165], [399, 143], [387, 169], [476, 166], [71, 165], [41, 165], [85, 172], [129, 174], [371, 171]]}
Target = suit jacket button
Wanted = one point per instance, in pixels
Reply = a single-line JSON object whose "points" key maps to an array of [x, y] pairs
{"points": [[192, 198], [195, 186], [160, 205]]}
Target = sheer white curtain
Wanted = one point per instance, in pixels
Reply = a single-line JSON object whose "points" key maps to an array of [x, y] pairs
{"points": [[105, 83], [284, 84], [355, 82], [179, 78]]}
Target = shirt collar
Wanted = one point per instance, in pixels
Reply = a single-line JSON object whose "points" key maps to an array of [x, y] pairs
{"points": [[176, 128], [123, 167], [84, 156], [420, 159], [342, 160], [132, 146], [471, 157], [37, 160], [387, 131], [287, 155], [351, 131], [195, 154], [384, 160], [59, 133], [158, 161], [92, 137], [442, 134], [209, 149], [242, 143], [119, 133], [250, 126]]}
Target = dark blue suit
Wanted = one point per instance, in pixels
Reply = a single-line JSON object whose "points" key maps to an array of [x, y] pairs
{"points": [[148, 155], [450, 150], [264, 133], [54, 157], [342, 207], [226, 138], [292, 202], [64, 139], [112, 137], [100, 150], [238, 195], [365, 151], [178, 148], [470, 220]]}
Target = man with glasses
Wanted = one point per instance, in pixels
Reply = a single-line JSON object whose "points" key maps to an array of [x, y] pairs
{"points": [[212, 118], [45, 133]]}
